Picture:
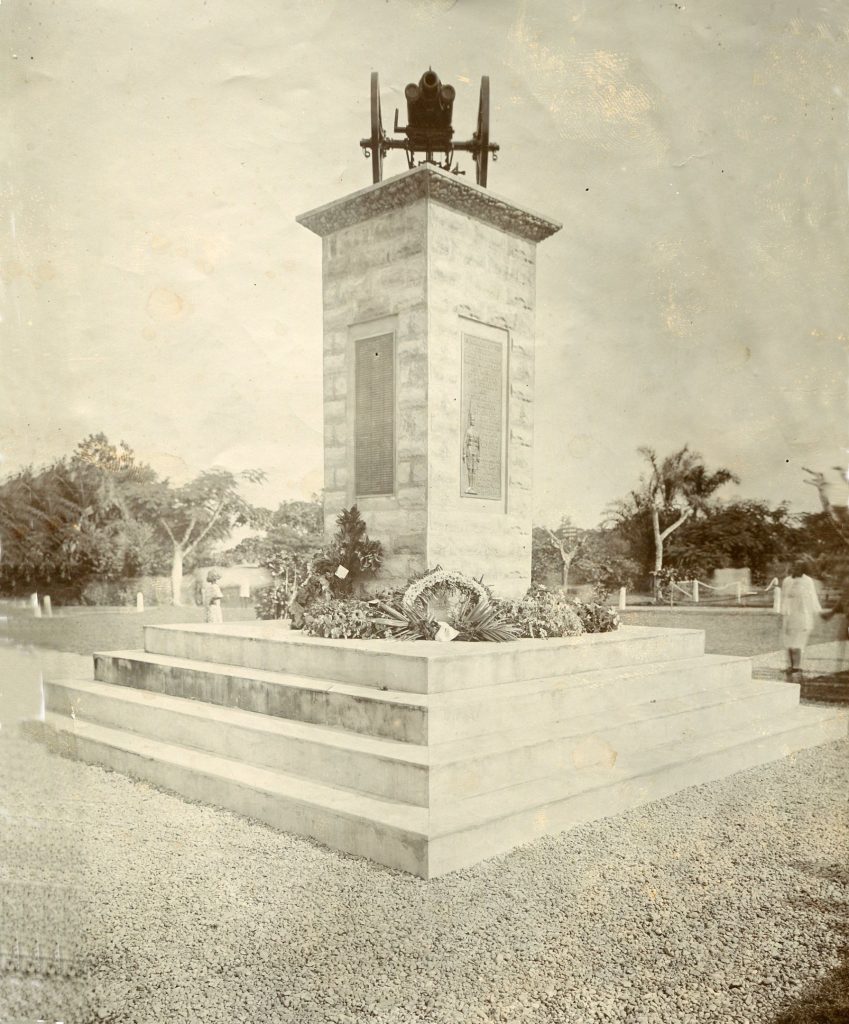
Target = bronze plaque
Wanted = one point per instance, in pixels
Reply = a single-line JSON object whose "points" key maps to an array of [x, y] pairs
{"points": [[483, 399], [374, 415]]}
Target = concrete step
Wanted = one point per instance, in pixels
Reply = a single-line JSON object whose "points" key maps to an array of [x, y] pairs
{"points": [[481, 764], [389, 832], [362, 709], [418, 666], [535, 703], [414, 773], [416, 717], [451, 836], [379, 767], [468, 831]]}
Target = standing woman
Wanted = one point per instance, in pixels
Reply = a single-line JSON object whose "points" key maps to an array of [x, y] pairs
{"points": [[800, 606], [214, 596]]}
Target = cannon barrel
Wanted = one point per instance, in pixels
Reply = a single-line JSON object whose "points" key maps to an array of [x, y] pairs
{"points": [[430, 103]]}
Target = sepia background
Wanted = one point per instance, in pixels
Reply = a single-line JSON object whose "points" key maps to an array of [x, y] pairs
{"points": [[157, 287]]}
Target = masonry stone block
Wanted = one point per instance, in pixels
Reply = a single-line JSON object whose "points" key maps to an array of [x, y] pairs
{"points": [[448, 270]]}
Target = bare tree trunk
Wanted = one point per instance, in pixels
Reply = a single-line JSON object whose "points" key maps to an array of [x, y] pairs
{"points": [[658, 540], [658, 550], [177, 576], [819, 482], [660, 537], [566, 556]]}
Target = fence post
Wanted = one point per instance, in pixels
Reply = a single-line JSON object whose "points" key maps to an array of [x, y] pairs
{"points": [[48, 606], [139, 602], [695, 591], [622, 597], [776, 599], [739, 587], [36, 607]]}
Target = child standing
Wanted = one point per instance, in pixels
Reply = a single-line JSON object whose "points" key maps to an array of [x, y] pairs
{"points": [[214, 597]]}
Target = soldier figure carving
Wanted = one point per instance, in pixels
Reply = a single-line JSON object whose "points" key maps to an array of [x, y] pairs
{"points": [[471, 452]]}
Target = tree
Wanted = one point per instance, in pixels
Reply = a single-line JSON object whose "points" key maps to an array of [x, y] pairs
{"points": [[603, 561], [206, 509], [119, 460], [837, 515], [296, 527], [69, 523], [741, 533], [674, 489], [555, 550]]}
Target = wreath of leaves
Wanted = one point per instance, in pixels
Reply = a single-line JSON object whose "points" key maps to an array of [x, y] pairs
{"points": [[475, 618], [440, 579]]}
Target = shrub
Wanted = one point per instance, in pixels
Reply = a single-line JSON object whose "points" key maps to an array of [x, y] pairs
{"points": [[108, 592], [341, 619], [272, 601], [287, 568], [352, 549], [542, 613], [300, 582], [596, 618]]}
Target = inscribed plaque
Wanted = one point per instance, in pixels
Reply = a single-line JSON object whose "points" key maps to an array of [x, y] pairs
{"points": [[374, 415], [483, 381]]}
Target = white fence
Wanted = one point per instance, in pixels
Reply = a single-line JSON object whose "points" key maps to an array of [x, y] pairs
{"points": [[691, 590]]}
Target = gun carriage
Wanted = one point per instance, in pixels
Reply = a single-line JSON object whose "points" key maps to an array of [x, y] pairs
{"points": [[429, 131]]}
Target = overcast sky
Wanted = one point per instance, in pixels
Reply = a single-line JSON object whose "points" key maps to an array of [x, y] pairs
{"points": [[157, 287]]}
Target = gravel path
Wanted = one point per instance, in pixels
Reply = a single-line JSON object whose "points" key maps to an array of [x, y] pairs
{"points": [[725, 903]]}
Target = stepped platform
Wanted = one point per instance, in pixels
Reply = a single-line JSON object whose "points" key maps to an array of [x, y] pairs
{"points": [[426, 757]]}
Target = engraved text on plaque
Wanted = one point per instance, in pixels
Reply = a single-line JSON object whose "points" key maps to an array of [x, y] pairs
{"points": [[483, 406], [374, 415]]}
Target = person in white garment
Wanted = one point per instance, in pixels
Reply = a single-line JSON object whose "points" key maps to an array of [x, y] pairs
{"points": [[800, 607]]}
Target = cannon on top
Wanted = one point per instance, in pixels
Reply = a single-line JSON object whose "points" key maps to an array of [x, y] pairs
{"points": [[429, 132]]}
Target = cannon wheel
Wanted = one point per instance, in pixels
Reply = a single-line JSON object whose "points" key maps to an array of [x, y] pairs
{"points": [[482, 134], [376, 131]]}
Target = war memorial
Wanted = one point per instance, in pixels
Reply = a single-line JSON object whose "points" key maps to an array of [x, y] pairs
{"points": [[426, 756]]}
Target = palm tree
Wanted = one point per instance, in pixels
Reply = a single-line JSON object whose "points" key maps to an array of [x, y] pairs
{"points": [[837, 515], [674, 489]]}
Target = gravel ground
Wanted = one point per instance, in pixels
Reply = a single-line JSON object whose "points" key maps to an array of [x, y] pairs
{"points": [[725, 903]]}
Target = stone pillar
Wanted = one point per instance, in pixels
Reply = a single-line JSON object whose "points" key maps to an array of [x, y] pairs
{"points": [[429, 296]]}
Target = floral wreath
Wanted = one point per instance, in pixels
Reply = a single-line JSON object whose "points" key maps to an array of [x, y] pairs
{"points": [[442, 579]]}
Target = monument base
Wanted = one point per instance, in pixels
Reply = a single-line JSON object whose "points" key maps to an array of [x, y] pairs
{"points": [[422, 756]]}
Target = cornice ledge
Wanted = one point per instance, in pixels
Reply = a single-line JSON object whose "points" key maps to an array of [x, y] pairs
{"points": [[432, 183]]}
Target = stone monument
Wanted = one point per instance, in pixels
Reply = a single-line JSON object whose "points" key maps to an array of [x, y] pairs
{"points": [[427, 756], [429, 300]]}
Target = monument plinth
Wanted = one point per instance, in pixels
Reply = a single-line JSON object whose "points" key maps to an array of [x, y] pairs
{"points": [[429, 301]]}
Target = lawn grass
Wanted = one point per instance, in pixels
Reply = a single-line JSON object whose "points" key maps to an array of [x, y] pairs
{"points": [[726, 631], [94, 630], [743, 633]]}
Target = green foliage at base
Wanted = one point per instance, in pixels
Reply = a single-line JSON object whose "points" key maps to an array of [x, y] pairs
{"points": [[465, 604], [595, 617], [466, 607], [345, 618], [301, 581], [353, 550], [272, 602], [542, 613]]}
